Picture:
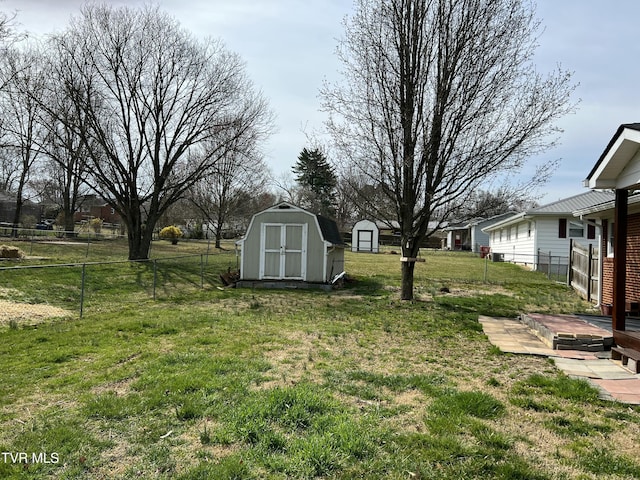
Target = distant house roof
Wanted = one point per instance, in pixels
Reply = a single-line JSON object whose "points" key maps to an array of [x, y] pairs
{"points": [[565, 206], [478, 221]]}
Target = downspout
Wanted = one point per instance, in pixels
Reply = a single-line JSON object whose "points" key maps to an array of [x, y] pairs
{"points": [[602, 253]]}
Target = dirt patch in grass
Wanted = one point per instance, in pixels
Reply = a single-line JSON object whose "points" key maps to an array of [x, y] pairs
{"points": [[27, 313]]}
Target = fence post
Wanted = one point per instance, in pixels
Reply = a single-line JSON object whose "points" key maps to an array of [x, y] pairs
{"points": [[84, 269], [486, 267], [589, 271], [155, 276], [570, 263], [202, 271]]}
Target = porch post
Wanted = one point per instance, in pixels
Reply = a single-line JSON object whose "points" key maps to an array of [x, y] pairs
{"points": [[620, 260]]}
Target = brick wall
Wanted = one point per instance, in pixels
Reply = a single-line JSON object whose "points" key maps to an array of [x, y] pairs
{"points": [[633, 263]]}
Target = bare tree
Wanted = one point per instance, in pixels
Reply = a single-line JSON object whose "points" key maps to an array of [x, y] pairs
{"points": [[66, 170], [150, 96], [23, 133], [438, 96], [288, 189], [221, 195]]}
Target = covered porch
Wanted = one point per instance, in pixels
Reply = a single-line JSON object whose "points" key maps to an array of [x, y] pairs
{"points": [[618, 169]]}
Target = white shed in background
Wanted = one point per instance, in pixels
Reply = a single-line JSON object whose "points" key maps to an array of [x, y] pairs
{"points": [[365, 237]]}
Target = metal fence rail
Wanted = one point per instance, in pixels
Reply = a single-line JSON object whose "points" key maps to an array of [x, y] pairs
{"points": [[555, 267], [81, 287]]}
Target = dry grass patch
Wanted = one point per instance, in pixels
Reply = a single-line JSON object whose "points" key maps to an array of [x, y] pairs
{"points": [[29, 314]]}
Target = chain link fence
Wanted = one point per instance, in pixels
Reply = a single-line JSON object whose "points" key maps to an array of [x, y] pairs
{"points": [[32, 293], [555, 267]]}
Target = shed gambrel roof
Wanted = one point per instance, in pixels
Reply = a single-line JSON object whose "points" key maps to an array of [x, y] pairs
{"points": [[563, 207], [328, 227]]}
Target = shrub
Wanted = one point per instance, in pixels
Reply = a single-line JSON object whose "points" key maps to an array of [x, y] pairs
{"points": [[28, 221], [96, 224], [172, 233]]}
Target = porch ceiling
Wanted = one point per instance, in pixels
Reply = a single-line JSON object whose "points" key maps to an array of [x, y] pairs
{"points": [[619, 165]]}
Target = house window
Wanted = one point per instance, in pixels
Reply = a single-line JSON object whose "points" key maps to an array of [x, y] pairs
{"points": [[517, 230], [562, 228], [576, 229], [591, 231], [508, 234]]}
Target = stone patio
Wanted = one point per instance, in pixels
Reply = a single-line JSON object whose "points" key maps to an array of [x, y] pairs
{"points": [[614, 381]]}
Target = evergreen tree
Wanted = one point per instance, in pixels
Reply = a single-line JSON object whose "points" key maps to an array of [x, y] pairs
{"points": [[318, 181]]}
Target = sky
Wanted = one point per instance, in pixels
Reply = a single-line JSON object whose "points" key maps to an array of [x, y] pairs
{"points": [[289, 45]]}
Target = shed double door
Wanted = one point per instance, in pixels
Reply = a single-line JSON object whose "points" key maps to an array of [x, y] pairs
{"points": [[283, 251], [365, 241]]}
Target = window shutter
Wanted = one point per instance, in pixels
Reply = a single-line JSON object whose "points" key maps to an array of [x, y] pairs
{"points": [[562, 228]]}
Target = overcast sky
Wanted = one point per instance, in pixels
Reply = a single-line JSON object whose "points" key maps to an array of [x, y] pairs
{"points": [[288, 46]]}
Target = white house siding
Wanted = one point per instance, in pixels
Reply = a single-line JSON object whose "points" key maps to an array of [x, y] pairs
{"points": [[549, 242], [518, 246], [515, 242]]}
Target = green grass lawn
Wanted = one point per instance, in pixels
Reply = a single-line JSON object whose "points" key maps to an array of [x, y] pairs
{"points": [[207, 383]]}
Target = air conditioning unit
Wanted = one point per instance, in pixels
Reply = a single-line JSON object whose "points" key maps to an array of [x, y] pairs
{"points": [[497, 257]]}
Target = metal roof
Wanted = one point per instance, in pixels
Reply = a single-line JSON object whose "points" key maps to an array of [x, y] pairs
{"points": [[571, 204], [563, 207]]}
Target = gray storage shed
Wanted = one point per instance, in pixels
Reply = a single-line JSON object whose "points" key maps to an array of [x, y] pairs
{"points": [[288, 243]]}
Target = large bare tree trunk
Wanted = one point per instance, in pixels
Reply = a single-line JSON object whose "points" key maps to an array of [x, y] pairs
{"points": [[406, 290]]}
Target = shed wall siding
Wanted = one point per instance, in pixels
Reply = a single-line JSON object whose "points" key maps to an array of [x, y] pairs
{"points": [[315, 243]]}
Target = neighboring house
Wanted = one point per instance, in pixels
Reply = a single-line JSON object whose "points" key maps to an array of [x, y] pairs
{"points": [[290, 244], [8, 208], [390, 235], [95, 207], [365, 237], [388, 228], [469, 235], [541, 236]]}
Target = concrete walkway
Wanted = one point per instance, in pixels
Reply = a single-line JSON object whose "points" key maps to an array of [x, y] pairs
{"points": [[614, 381]]}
